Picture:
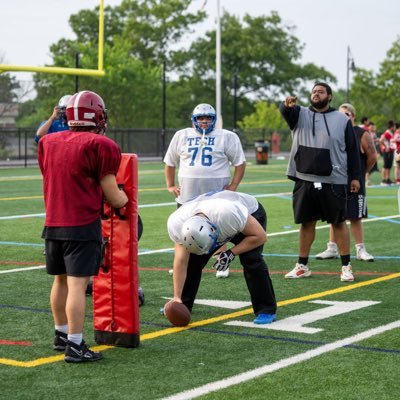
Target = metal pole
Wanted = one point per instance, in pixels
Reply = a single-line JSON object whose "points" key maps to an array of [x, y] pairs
{"points": [[348, 74], [76, 76], [218, 68], [164, 108], [234, 101], [26, 149]]}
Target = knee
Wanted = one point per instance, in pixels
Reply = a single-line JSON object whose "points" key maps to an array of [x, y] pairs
{"points": [[252, 262]]}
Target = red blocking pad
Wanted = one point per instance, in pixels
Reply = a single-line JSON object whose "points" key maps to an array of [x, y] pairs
{"points": [[115, 289]]}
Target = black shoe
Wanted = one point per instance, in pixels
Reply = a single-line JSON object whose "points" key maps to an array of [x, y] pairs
{"points": [[75, 353], [60, 340], [141, 297], [89, 289]]}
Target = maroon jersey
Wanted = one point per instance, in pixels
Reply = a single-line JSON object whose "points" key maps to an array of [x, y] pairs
{"points": [[72, 165]]}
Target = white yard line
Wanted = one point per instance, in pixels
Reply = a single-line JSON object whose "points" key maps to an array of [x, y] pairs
{"points": [[284, 363], [22, 269]]}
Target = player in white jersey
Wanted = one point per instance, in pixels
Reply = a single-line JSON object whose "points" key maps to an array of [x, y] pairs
{"points": [[203, 155], [204, 225]]}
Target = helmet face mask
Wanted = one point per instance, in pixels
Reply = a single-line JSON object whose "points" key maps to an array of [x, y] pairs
{"points": [[87, 109], [199, 235], [62, 106], [204, 110]]}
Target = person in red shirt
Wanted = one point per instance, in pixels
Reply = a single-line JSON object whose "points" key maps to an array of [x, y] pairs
{"points": [[387, 153], [396, 147], [78, 166]]}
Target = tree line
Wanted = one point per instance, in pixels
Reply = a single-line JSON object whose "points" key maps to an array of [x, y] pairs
{"points": [[260, 65]]}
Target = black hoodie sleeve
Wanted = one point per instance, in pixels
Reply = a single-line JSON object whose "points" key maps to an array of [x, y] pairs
{"points": [[290, 114], [353, 153]]}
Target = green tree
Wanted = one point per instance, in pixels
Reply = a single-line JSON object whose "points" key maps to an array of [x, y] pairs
{"points": [[8, 85], [261, 51], [266, 115], [138, 36], [376, 94], [388, 81]]}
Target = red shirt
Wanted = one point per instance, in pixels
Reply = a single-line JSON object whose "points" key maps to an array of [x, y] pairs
{"points": [[72, 165], [387, 135]]}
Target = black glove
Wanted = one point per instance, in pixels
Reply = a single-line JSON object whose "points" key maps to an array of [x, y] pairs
{"points": [[223, 260]]}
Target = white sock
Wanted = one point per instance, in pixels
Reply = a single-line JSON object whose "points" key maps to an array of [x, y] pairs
{"points": [[61, 328], [332, 245], [75, 338]]}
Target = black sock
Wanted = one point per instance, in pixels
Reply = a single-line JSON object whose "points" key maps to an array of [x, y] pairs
{"points": [[303, 260], [345, 259]]}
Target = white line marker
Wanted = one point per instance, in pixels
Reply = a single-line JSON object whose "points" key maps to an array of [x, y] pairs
{"points": [[296, 323], [286, 362], [22, 269]]}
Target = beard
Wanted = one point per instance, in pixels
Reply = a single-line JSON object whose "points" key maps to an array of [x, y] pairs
{"points": [[320, 104]]}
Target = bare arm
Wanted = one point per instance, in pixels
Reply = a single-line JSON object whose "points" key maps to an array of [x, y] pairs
{"points": [[116, 197], [254, 236], [170, 180], [237, 177], [181, 260], [367, 145], [44, 129]]}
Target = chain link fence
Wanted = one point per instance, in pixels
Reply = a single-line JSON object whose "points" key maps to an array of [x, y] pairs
{"points": [[18, 147]]}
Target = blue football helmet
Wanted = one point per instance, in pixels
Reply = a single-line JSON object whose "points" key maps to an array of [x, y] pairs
{"points": [[204, 110]]}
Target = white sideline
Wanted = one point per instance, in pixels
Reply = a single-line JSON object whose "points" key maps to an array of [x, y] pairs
{"points": [[286, 362], [22, 269]]}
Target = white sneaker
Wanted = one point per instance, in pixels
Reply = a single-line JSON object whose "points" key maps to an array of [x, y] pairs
{"points": [[222, 274], [330, 252], [362, 253], [347, 274], [299, 271]]}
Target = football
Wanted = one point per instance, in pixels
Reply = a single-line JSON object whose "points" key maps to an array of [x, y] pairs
{"points": [[177, 313]]}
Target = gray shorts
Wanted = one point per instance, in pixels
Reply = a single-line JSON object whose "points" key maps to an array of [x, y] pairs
{"points": [[74, 258]]}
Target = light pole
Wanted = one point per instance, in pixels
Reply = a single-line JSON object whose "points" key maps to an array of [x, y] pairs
{"points": [[350, 67], [218, 68]]}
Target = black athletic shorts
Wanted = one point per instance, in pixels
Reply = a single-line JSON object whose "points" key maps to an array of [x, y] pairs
{"points": [[313, 203], [388, 160], [74, 258], [357, 206]]}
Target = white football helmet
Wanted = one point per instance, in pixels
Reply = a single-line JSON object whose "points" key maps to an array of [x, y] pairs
{"points": [[62, 103], [202, 110], [199, 235]]}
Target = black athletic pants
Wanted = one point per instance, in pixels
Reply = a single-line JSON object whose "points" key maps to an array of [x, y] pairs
{"points": [[255, 272]]}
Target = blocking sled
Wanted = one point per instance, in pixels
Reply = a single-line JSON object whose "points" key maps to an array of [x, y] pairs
{"points": [[115, 289]]}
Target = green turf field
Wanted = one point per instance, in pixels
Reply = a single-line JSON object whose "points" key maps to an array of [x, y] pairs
{"points": [[351, 353]]}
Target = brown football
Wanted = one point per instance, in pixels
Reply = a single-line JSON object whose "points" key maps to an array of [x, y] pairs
{"points": [[177, 313]]}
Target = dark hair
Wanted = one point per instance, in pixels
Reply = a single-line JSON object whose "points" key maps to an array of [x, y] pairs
{"points": [[325, 85], [390, 124], [364, 119]]}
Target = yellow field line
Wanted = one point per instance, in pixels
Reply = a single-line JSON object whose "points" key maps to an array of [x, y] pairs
{"points": [[236, 314]]}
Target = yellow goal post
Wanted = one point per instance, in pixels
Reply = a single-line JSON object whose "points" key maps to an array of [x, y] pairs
{"points": [[69, 71]]}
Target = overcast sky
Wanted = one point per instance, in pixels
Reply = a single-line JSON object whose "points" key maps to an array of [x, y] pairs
{"points": [[369, 27]]}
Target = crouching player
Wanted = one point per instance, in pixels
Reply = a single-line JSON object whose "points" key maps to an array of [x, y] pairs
{"points": [[202, 226]]}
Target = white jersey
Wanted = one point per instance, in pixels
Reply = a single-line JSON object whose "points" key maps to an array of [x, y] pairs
{"points": [[227, 210], [203, 163]]}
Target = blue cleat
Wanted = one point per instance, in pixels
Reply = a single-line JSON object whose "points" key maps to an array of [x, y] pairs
{"points": [[263, 319]]}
